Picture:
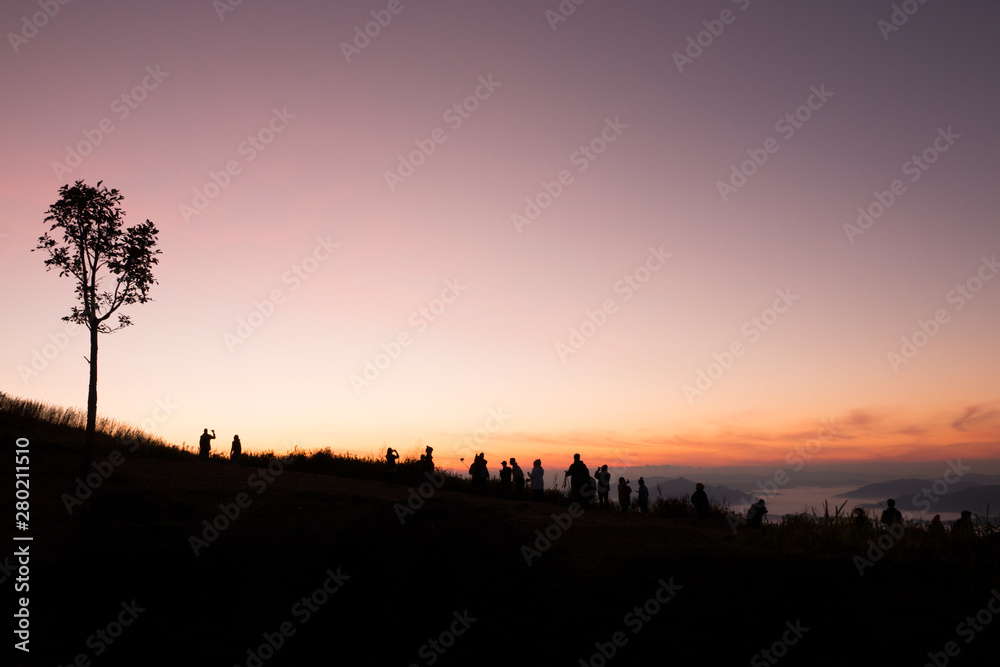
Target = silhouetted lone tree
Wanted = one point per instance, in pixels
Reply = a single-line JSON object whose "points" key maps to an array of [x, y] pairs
{"points": [[112, 268]]}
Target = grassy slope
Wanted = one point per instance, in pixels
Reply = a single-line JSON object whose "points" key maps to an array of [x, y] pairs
{"points": [[458, 552]]}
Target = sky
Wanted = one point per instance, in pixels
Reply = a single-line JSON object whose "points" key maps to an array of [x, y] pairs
{"points": [[691, 233]]}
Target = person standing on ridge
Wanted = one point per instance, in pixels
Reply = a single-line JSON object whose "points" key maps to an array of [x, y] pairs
{"points": [[700, 501], [235, 451], [579, 479], [537, 476], [624, 494], [518, 478], [506, 474], [391, 455], [891, 515], [603, 486], [643, 499], [205, 444]]}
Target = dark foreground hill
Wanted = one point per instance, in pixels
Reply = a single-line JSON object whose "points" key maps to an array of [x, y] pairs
{"points": [[320, 570]]}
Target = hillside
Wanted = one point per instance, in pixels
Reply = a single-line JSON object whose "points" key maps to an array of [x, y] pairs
{"points": [[458, 557]]}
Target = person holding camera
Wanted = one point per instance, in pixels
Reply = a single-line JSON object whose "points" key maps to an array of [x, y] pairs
{"points": [[205, 444], [390, 461], [603, 478], [624, 494]]}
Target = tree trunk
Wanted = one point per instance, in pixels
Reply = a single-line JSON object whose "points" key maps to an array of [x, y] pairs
{"points": [[88, 443]]}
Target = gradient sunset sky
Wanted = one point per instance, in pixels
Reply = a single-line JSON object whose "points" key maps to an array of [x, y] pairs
{"points": [[321, 193]]}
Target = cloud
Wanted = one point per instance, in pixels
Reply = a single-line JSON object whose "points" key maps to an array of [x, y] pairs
{"points": [[975, 416], [863, 419]]}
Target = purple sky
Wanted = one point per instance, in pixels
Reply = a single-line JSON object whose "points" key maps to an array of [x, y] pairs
{"points": [[723, 308]]}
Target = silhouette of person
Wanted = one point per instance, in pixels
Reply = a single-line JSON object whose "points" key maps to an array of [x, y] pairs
{"points": [[421, 465], [700, 501], [624, 494], [484, 472], [391, 455], [518, 476], [579, 480], [205, 444], [429, 459], [506, 475], [474, 474], [935, 529], [861, 524], [963, 528], [480, 474], [643, 499], [603, 478], [890, 514], [235, 451], [756, 514], [537, 476]]}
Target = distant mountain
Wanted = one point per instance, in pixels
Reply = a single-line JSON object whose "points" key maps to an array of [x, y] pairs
{"points": [[975, 499], [904, 487], [983, 480]]}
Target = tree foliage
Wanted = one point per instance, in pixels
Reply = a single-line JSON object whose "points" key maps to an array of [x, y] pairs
{"points": [[111, 267]]}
